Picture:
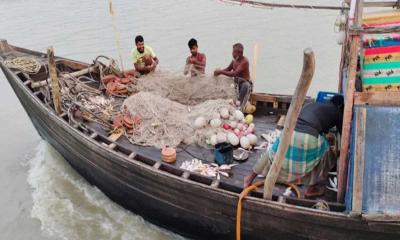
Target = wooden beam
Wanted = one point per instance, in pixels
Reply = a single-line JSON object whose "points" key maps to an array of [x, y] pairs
{"points": [[359, 155], [261, 97], [39, 84], [290, 122], [55, 85], [377, 98], [381, 4], [381, 217], [358, 30], [348, 106], [4, 47], [80, 72]]}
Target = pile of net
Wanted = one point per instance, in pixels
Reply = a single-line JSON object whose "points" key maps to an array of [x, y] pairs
{"points": [[187, 90], [169, 123]]}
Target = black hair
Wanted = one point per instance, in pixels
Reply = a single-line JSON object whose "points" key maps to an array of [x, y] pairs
{"points": [[139, 38], [338, 101], [239, 46], [192, 42]]}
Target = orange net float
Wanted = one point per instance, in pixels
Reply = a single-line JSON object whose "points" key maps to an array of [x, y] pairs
{"points": [[168, 155], [128, 123]]}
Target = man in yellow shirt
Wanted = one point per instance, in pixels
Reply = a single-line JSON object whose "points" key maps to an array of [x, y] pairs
{"points": [[144, 58]]}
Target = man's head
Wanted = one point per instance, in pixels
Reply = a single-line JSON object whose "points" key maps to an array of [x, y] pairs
{"points": [[237, 50], [139, 41], [338, 101], [193, 46]]}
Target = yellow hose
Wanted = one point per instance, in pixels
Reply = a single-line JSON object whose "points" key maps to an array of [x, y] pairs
{"points": [[244, 193]]}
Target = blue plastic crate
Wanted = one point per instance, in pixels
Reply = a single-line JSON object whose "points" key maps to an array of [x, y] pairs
{"points": [[324, 97]]}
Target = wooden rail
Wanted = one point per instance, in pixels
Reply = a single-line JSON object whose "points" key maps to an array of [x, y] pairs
{"points": [[348, 105], [359, 156], [377, 98]]}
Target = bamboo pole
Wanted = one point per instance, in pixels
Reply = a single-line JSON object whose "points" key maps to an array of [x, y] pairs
{"points": [[348, 107], [280, 5], [290, 122], [254, 67], [55, 85], [391, 4]]}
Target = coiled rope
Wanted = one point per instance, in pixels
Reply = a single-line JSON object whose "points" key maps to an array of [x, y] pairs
{"points": [[244, 193], [27, 65]]}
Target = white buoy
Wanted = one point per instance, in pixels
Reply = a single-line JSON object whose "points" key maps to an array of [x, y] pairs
{"points": [[221, 137], [343, 19], [233, 139], [224, 112], [238, 115], [200, 122], [252, 139], [244, 142], [341, 37], [213, 140], [215, 122], [233, 124]]}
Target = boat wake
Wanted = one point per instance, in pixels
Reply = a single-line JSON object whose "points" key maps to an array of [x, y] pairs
{"points": [[70, 208]]}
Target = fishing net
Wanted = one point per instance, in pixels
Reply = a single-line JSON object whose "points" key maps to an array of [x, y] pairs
{"points": [[168, 123], [186, 90]]}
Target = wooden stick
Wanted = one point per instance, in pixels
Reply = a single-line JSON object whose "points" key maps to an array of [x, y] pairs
{"points": [[39, 84], [80, 72], [279, 5], [359, 155], [290, 122], [55, 85], [348, 107], [254, 67]]}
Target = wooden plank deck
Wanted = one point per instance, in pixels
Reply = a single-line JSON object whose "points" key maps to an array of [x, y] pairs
{"points": [[188, 152]]}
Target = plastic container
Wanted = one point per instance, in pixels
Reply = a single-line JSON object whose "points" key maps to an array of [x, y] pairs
{"points": [[223, 154], [324, 97]]}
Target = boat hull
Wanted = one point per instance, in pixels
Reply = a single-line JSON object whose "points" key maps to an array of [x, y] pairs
{"points": [[184, 206]]}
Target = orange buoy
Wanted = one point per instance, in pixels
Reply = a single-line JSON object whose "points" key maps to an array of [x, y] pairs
{"points": [[128, 122], [168, 155]]}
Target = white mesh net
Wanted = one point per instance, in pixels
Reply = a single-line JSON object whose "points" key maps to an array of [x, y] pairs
{"points": [[169, 104]]}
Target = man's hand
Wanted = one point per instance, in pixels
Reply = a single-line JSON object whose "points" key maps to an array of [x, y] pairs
{"points": [[217, 72]]}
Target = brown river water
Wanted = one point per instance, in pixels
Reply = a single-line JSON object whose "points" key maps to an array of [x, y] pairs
{"points": [[42, 197]]}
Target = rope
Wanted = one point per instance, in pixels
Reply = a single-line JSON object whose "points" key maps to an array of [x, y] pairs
{"points": [[244, 193], [321, 205], [278, 5], [27, 65], [117, 34]]}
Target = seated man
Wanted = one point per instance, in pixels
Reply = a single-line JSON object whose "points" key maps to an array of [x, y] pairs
{"points": [[196, 63], [239, 70], [308, 159], [144, 58]]}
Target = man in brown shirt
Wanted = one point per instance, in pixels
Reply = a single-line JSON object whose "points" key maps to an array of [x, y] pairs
{"points": [[239, 70], [196, 62]]}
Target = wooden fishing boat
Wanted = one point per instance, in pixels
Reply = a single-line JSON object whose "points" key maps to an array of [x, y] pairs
{"points": [[187, 203]]}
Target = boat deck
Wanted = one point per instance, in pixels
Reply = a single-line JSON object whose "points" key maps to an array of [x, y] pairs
{"points": [[188, 152]]}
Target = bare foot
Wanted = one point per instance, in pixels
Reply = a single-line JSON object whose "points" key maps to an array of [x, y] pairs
{"points": [[248, 180]]}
